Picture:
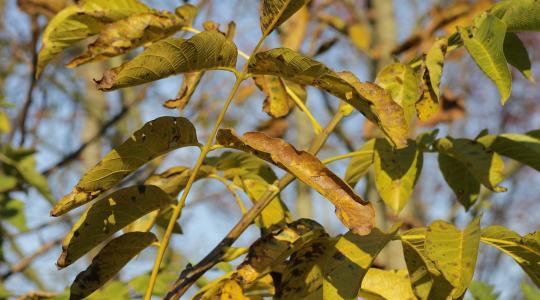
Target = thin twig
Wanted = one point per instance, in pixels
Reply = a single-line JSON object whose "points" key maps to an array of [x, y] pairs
{"points": [[26, 261]]}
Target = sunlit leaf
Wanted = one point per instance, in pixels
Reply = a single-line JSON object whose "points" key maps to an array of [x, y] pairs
{"points": [[109, 261], [275, 12], [396, 172], [485, 43], [428, 104], [454, 252], [518, 15], [486, 166], [224, 289], [426, 280], [516, 54], [134, 31], [174, 180], [482, 291], [355, 213], [273, 248], [402, 83], [525, 250], [7, 183], [5, 124], [277, 102], [460, 179], [207, 50], [155, 138], [331, 268], [368, 98], [524, 148], [77, 22], [389, 285], [109, 215], [360, 163]]}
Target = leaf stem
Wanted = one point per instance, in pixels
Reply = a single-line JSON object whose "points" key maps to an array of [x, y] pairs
{"points": [[316, 126], [344, 156]]}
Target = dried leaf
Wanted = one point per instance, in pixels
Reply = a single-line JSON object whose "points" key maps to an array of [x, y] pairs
{"points": [[277, 103], [77, 22], [155, 138], [109, 261], [107, 216], [355, 213], [134, 31], [204, 51], [189, 85]]}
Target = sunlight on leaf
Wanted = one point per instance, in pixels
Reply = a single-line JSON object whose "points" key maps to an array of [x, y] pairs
{"points": [[275, 12], [389, 285]]}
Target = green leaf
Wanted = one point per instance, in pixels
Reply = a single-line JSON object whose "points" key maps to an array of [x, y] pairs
{"points": [[360, 163], [155, 138], [273, 248], [454, 252], [355, 213], [254, 176], [428, 104], [486, 166], [107, 216], [530, 292], [389, 285], [482, 291], [426, 280], [7, 183], [517, 55], [114, 290], [134, 31], [485, 43], [331, 268], [524, 148], [518, 15], [12, 211], [401, 81], [276, 12], [109, 261], [396, 172], [77, 22], [370, 99], [460, 179], [208, 50], [524, 250]]}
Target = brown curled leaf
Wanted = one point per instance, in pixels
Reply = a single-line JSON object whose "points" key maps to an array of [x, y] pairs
{"points": [[355, 213], [189, 84]]}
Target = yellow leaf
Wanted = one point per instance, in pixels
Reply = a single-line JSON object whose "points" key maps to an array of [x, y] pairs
{"points": [[390, 285]]}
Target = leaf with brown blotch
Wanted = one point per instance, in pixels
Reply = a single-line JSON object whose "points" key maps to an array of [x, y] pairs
{"points": [[155, 138], [208, 50], [109, 261], [136, 30], [109, 215], [189, 84], [355, 213]]}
